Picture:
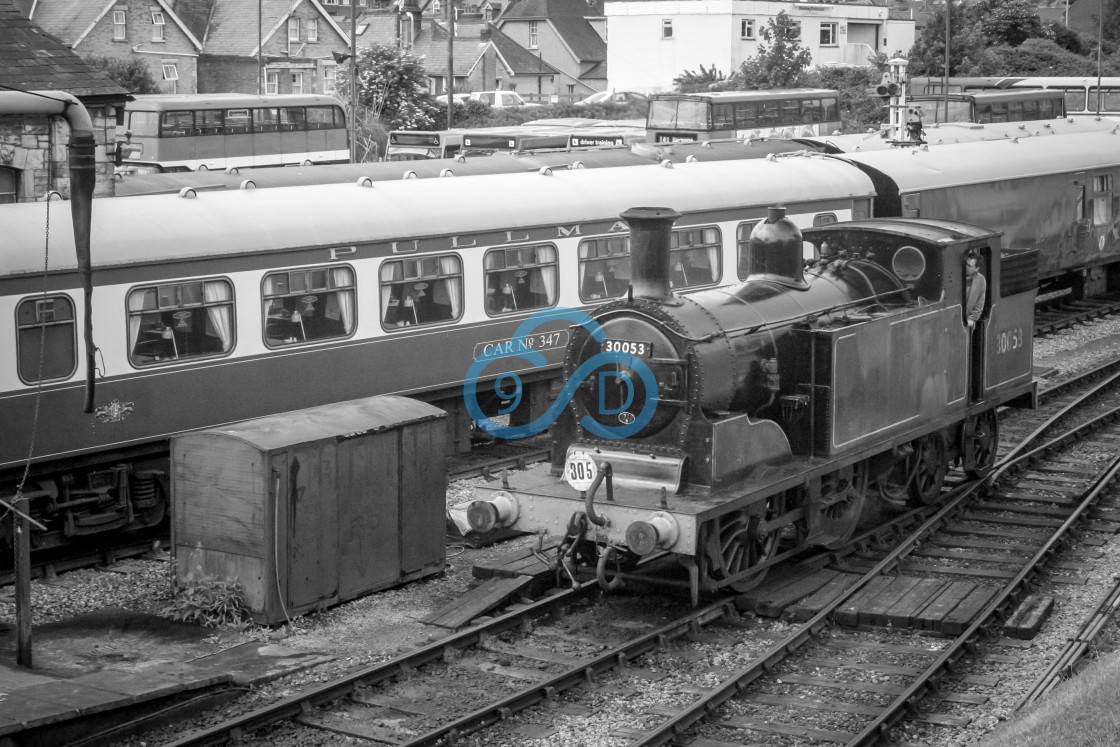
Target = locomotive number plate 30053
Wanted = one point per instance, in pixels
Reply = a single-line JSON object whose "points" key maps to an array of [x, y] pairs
{"points": [[633, 347]]}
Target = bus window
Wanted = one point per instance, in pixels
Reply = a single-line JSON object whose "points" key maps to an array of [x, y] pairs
{"points": [[769, 114], [266, 119], [177, 124], [321, 118], [1110, 99], [810, 111], [789, 111], [1075, 100], [831, 110], [1032, 110], [237, 121], [997, 112], [293, 118], [723, 116], [746, 115], [209, 122]]}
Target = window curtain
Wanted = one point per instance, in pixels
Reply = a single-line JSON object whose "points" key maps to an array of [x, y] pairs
{"points": [[218, 318], [390, 273], [135, 306], [449, 268], [343, 279], [547, 275]]}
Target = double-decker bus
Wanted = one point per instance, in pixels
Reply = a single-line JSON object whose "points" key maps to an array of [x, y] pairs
{"points": [[199, 132], [418, 145], [990, 106], [790, 112]]}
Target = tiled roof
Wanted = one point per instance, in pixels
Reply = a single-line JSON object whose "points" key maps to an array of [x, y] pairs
{"points": [[68, 19], [195, 15], [529, 9], [33, 60], [233, 26], [520, 60], [569, 18]]}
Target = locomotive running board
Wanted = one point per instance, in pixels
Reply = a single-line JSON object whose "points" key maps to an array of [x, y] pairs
{"points": [[645, 471]]}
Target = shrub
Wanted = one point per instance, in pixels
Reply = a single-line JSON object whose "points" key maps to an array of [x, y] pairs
{"points": [[209, 601]]}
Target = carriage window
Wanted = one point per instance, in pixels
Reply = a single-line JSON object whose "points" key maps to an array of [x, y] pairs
{"points": [[425, 290], [520, 278], [694, 256], [309, 304], [46, 325], [167, 323], [743, 247], [604, 267], [1102, 199]]}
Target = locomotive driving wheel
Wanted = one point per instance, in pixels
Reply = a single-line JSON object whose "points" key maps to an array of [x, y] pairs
{"points": [[931, 462], [739, 541], [981, 443], [843, 495]]}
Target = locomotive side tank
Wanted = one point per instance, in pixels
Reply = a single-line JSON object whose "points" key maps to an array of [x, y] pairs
{"points": [[765, 417]]}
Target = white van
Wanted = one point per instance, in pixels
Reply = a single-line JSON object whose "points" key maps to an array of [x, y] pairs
{"points": [[500, 99]]}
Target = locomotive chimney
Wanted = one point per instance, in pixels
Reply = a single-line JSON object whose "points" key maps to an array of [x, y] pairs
{"points": [[775, 251], [650, 230]]}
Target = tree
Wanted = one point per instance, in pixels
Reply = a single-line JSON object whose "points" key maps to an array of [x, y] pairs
{"points": [[974, 30], [393, 87], [780, 62], [130, 74], [704, 80], [1011, 23]]}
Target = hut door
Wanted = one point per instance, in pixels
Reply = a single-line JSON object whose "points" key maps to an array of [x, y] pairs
{"points": [[312, 517]]}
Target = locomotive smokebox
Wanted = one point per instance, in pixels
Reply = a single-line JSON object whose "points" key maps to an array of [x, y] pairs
{"points": [[650, 233], [775, 251]]}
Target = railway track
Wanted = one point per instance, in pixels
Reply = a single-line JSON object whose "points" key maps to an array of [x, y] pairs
{"points": [[999, 534], [1062, 313]]}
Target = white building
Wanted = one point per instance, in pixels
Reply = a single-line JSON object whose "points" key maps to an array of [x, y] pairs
{"points": [[650, 42]]}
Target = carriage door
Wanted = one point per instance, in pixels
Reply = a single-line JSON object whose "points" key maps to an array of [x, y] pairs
{"points": [[978, 343]]}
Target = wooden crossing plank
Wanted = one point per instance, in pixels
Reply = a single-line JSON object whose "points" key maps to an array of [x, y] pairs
{"points": [[773, 727], [518, 563], [961, 616], [919, 566], [929, 616], [848, 612], [894, 648], [482, 598], [809, 606], [874, 612], [902, 614], [781, 590], [1018, 508]]}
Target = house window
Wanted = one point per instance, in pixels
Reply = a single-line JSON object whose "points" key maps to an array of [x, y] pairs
{"points": [[297, 82], [330, 78], [46, 339], [309, 304], [667, 28], [746, 28], [532, 34], [157, 26], [271, 83], [167, 323], [312, 29], [425, 290], [828, 34], [9, 182], [293, 29], [170, 71], [119, 28]]}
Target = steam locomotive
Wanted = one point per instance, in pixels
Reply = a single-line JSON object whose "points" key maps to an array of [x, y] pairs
{"points": [[728, 429]]}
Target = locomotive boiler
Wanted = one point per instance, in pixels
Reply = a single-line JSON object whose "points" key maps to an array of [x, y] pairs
{"points": [[731, 428]]}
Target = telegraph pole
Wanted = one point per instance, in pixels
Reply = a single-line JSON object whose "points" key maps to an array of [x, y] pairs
{"points": [[353, 81], [450, 61], [260, 50]]}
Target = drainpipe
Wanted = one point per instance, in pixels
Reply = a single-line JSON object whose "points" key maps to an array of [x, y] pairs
{"points": [[82, 178]]}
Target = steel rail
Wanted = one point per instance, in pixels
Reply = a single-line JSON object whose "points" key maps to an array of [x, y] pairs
{"points": [[328, 692], [671, 729]]}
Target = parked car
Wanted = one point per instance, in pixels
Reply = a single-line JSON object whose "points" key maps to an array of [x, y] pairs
{"points": [[613, 97], [458, 98], [500, 99]]}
